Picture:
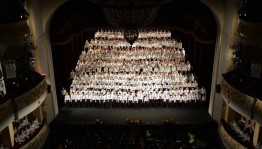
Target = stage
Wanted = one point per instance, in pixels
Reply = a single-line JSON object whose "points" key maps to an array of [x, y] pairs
{"points": [[79, 125], [119, 116]]}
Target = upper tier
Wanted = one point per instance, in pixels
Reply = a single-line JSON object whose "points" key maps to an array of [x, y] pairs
{"points": [[243, 94], [20, 102]]}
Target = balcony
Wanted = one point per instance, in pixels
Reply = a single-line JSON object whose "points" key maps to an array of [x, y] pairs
{"points": [[20, 102], [230, 139], [243, 95]]}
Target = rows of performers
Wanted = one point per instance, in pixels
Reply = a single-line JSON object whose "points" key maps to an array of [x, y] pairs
{"points": [[130, 53], [129, 75], [131, 69], [143, 42], [113, 65], [164, 97], [119, 34], [128, 57], [132, 81]]}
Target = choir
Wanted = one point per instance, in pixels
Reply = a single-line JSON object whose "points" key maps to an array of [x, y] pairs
{"points": [[152, 72]]}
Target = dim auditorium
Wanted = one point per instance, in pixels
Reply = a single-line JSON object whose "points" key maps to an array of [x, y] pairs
{"points": [[130, 74]]}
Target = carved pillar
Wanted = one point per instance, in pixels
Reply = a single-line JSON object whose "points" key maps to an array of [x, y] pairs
{"points": [[223, 109], [226, 113], [37, 114], [231, 115], [44, 108], [11, 133], [256, 134], [40, 113]]}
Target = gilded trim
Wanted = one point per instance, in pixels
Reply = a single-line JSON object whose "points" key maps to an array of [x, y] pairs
{"points": [[243, 100], [258, 108], [12, 106], [31, 96], [228, 141]]}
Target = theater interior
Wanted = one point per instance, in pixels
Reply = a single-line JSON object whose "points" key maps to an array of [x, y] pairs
{"points": [[164, 74]]}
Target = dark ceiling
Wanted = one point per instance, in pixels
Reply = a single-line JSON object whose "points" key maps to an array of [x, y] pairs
{"points": [[128, 3], [189, 16], [12, 11]]}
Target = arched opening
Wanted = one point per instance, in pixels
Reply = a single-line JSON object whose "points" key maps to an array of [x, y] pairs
{"points": [[191, 22]]}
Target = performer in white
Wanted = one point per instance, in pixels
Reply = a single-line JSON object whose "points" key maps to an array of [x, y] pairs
{"points": [[67, 99]]}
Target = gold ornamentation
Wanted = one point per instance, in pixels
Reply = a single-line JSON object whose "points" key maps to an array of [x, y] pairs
{"points": [[236, 96], [258, 107], [231, 143], [31, 96], [244, 101]]}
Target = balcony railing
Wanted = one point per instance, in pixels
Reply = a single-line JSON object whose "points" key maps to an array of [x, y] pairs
{"points": [[15, 101], [35, 139], [245, 101], [230, 139]]}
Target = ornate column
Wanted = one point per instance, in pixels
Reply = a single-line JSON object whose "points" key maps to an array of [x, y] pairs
{"points": [[11, 133], [256, 133], [226, 113]]}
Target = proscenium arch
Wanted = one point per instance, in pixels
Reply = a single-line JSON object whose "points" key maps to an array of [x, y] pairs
{"points": [[218, 19], [51, 17], [226, 17]]}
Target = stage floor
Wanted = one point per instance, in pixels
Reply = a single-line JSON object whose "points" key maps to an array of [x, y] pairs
{"points": [[76, 123], [118, 116]]}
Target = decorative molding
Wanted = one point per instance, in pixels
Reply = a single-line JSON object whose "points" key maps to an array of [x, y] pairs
{"points": [[38, 139], [251, 107], [9, 109], [228, 141], [223, 109], [31, 96], [30, 108], [243, 100]]}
